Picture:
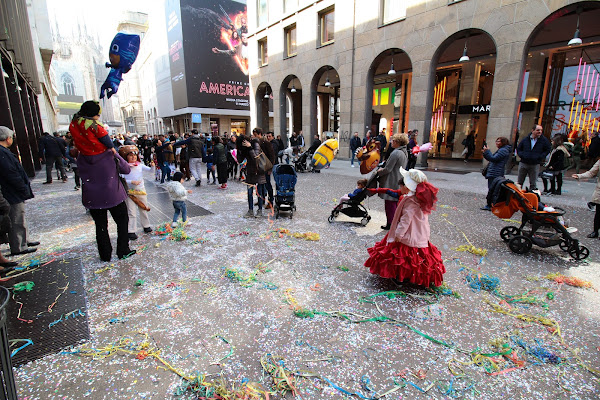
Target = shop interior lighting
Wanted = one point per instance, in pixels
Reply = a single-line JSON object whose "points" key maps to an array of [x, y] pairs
{"points": [[576, 39], [464, 57], [293, 87], [392, 71], [266, 96], [327, 83]]}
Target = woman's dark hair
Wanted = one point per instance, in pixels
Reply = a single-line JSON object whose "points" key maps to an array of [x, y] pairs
{"points": [[557, 141], [216, 139], [503, 140]]}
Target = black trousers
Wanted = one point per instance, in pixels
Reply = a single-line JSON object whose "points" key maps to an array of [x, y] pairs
{"points": [[60, 167], [119, 215], [222, 173]]}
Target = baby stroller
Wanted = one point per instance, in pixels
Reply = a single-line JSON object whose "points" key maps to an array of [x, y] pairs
{"points": [[353, 207], [285, 185], [301, 163], [542, 228]]}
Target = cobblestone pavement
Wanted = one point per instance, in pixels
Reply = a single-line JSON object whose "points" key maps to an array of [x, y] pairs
{"points": [[217, 303]]}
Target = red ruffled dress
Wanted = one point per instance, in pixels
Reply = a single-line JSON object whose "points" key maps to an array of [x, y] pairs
{"points": [[405, 253]]}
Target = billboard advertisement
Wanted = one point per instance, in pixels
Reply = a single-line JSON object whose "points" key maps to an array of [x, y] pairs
{"points": [[212, 34]]}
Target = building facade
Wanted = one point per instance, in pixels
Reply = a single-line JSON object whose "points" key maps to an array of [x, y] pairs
{"points": [[20, 87], [448, 68]]}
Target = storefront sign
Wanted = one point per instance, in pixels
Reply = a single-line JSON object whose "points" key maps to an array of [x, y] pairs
{"points": [[474, 109], [197, 118]]}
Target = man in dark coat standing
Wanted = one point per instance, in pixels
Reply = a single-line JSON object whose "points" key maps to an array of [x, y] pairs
{"points": [[532, 150], [15, 189], [52, 150], [354, 145]]}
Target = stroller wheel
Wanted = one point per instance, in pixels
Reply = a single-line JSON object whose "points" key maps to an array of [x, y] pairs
{"points": [[564, 245], [579, 252], [331, 218], [520, 244], [508, 232], [364, 221]]}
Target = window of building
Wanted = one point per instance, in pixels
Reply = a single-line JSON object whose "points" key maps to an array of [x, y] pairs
{"points": [[326, 26], [392, 10], [68, 85], [290, 41], [263, 55], [290, 6], [262, 12]]}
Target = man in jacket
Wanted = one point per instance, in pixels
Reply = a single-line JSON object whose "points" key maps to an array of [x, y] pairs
{"points": [[16, 189], [594, 148], [354, 145], [145, 146], [195, 153], [267, 148], [52, 151], [532, 150]]}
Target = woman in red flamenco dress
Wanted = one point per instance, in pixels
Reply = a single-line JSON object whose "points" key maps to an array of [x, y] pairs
{"points": [[405, 253]]}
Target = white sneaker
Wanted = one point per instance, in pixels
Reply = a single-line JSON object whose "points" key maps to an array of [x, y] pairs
{"points": [[188, 223], [352, 165], [174, 225]]}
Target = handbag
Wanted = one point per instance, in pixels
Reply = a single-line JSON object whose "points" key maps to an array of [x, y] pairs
{"points": [[123, 181], [263, 164], [485, 170]]}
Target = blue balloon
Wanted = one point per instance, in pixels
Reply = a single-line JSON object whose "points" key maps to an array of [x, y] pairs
{"points": [[124, 49]]}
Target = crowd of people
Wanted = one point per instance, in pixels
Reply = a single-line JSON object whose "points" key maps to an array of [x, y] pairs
{"points": [[112, 172]]}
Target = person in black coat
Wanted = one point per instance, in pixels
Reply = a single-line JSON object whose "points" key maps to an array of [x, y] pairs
{"points": [[5, 265], [497, 163], [532, 150], [354, 145], [594, 148], [52, 150], [15, 187], [555, 167]]}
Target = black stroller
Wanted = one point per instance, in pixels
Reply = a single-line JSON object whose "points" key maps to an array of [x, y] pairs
{"points": [[353, 207], [304, 162], [285, 183]]}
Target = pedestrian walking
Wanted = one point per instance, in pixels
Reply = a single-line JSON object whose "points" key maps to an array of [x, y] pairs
{"points": [[196, 154], [220, 159], [532, 150], [51, 152], [557, 162], [354, 145]]}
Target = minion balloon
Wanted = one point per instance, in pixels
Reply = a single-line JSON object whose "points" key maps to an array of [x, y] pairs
{"points": [[124, 49]]}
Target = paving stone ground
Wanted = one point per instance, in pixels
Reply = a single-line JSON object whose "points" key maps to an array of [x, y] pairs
{"points": [[216, 306]]}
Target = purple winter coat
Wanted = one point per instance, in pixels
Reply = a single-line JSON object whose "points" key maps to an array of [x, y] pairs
{"points": [[101, 187]]}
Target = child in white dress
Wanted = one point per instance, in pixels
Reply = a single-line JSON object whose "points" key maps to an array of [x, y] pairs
{"points": [[137, 201]]}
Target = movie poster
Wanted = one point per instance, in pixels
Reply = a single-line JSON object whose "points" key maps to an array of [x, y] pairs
{"points": [[214, 42], [176, 61]]}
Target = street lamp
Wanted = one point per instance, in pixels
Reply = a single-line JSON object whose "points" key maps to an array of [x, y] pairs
{"points": [[576, 39], [464, 57], [392, 71]]}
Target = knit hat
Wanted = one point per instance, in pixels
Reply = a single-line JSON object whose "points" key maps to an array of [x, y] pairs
{"points": [[90, 109], [412, 178]]}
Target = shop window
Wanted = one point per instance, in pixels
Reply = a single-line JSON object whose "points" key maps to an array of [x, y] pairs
{"points": [[392, 10], [290, 6], [326, 26], [238, 127], [290, 41], [263, 55], [262, 12]]}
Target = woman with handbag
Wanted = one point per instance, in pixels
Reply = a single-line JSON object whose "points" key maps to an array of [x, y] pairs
{"points": [[389, 175], [497, 163], [249, 148], [554, 167]]}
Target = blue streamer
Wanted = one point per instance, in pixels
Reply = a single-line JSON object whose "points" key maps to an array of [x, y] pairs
{"points": [[28, 342]]}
